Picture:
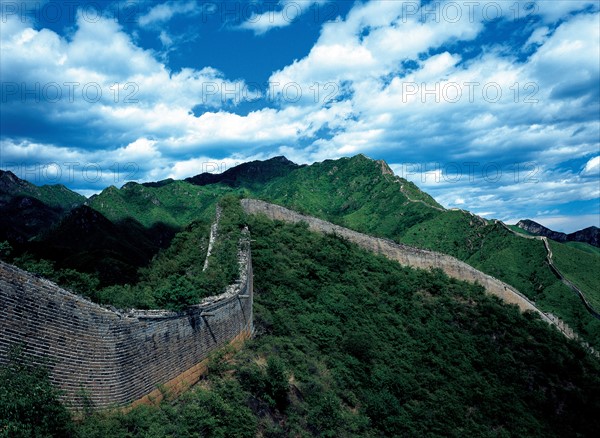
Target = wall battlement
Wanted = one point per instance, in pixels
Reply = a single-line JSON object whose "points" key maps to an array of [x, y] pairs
{"points": [[410, 256], [114, 357]]}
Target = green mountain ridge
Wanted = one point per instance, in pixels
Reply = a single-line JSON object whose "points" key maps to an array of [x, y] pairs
{"points": [[52, 195], [250, 173], [347, 343], [589, 235], [364, 195], [27, 210]]}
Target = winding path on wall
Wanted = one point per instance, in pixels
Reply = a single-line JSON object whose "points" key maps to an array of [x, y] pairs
{"points": [[554, 268], [414, 257]]}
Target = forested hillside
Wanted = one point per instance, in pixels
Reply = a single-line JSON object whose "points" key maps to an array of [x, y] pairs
{"points": [[352, 344]]}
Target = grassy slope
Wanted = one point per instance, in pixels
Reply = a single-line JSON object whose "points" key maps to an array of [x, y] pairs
{"points": [[585, 247], [176, 204], [52, 195], [580, 267], [351, 344], [175, 278], [27, 210], [519, 230], [57, 195], [352, 192]]}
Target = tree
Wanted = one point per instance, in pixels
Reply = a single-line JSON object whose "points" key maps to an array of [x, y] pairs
{"points": [[29, 404]]}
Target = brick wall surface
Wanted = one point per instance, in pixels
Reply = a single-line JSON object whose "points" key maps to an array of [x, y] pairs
{"points": [[116, 357]]}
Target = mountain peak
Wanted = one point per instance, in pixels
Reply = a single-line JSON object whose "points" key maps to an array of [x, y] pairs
{"points": [[9, 181], [250, 172], [382, 165], [7, 174], [281, 159]]}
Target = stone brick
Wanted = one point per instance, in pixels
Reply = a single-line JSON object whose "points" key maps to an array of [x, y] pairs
{"points": [[116, 357]]}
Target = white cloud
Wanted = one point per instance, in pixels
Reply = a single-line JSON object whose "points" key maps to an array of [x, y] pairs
{"points": [[554, 10], [165, 39], [592, 167], [376, 108], [165, 11], [290, 10], [126, 80]]}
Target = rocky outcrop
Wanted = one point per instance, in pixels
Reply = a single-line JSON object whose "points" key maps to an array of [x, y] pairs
{"points": [[590, 235]]}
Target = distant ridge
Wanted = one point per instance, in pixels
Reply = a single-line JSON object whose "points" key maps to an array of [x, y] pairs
{"points": [[589, 235], [248, 173]]}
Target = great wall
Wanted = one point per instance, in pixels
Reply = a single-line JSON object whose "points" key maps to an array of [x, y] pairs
{"points": [[114, 358], [111, 358], [554, 268], [413, 257]]}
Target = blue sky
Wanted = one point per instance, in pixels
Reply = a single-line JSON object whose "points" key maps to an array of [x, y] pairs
{"points": [[490, 106]]}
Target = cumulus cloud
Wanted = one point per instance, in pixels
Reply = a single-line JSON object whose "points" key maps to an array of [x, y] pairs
{"points": [[121, 91], [552, 11], [390, 80]]}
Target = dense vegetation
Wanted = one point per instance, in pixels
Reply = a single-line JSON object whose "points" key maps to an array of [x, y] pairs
{"points": [[85, 251], [175, 204], [29, 404], [175, 278], [360, 194], [26, 209], [352, 344], [57, 195], [585, 247]]}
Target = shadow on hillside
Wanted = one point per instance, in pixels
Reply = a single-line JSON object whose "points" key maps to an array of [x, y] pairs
{"points": [[86, 241]]}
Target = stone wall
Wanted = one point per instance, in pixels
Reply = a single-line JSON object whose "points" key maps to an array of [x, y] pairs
{"points": [[410, 256], [115, 357]]}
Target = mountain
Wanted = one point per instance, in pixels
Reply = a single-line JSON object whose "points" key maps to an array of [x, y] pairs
{"points": [[52, 195], [175, 204], [26, 210], [22, 218], [590, 235], [350, 344], [247, 174], [347, 343], [364, 195], [85, 240]]}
